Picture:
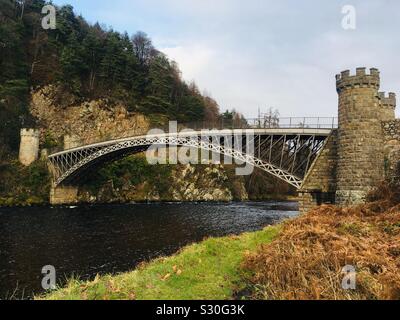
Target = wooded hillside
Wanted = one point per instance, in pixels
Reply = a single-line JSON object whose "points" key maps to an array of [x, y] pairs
{"points": [[89, 62]]}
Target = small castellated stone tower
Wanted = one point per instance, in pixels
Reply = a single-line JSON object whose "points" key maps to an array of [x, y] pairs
{"points": [[29, 147], [362, 109], [388, 105]]}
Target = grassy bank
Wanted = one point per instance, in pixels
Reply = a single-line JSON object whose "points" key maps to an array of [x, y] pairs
{"points": [[207, 270]]}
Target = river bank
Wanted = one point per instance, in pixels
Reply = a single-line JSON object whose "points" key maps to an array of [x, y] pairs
{"points": [[303, 258], [40, 204], [207, 270], [134, 180], [111, 239]]}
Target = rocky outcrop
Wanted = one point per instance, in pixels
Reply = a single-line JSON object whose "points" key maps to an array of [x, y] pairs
{"points": [[88, 122], [71, 123], [202, 184], [186, 183]]}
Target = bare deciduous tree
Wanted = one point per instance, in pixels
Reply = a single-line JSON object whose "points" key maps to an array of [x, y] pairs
{"points": [[211, 112], [142, 47], [271, 118]]}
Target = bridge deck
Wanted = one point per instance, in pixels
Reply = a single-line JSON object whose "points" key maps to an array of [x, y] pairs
{"points": [[267, 132]]}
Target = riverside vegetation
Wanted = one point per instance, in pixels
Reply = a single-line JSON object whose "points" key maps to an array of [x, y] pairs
{"points": [[133, 179], [24, 185], [306, 260], [299, 259], [207, 270]]}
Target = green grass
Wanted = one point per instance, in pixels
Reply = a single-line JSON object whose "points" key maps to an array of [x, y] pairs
{"points": [[207, 270]]}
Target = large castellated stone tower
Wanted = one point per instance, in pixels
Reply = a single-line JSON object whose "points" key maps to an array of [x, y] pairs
{"points": [[29, 147], [360, 164], [362, 152]]}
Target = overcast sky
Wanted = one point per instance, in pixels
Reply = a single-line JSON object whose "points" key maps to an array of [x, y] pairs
{"points": [[260, 53]]}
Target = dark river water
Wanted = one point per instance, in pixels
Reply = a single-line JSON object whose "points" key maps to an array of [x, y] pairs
{"points": [[88, 240]]}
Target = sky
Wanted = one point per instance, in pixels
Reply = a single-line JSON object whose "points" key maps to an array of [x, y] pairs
{"points": [[257, 54]]}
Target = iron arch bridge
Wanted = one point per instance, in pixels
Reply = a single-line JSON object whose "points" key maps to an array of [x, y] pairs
{"points": [[284, 153]]}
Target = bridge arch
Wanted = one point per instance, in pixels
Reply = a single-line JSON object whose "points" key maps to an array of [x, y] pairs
{"points": [[68, 164]]}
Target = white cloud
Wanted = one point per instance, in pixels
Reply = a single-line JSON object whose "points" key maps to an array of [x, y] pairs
{"points": [[193, 60], [263, 53]]}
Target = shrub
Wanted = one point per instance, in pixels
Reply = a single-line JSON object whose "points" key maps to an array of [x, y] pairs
{"points": [[306, 260], [132, 170], [24, 185]]}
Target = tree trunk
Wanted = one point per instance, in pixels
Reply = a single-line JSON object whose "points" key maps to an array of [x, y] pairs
{"points": [[23, 9]]}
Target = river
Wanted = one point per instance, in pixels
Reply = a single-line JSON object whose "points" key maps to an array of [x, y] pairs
{"points": [[87, 240]]}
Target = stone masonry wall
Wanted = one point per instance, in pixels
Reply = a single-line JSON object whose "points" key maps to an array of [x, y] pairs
{"points": [[29, 146], [360, 139], [320, 183], [63, 195], [391, 134], [364, 149], [387, 105]]}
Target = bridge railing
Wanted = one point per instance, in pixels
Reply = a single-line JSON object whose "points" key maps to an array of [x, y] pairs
{"points": [[295, 122], [239, 123], [266, 123]]}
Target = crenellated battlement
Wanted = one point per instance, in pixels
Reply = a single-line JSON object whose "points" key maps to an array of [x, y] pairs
{"points": [[387, 105], [360, 79], [387, 101], [30, 133], [361, 147]]}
